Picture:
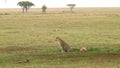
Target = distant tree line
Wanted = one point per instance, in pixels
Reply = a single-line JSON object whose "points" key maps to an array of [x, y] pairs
{"points": [[25, 5]]}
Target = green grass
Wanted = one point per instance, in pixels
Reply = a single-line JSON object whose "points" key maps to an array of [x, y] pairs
{"points": [[32, 36]]}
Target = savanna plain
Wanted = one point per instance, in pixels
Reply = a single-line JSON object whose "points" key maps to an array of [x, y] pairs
{"points": [[27, 40]]}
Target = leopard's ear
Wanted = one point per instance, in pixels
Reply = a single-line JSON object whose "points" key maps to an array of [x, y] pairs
{"points": [[57, 37]]}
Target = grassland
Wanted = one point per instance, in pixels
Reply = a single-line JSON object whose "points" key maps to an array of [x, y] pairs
{"points": [[32, 36]]}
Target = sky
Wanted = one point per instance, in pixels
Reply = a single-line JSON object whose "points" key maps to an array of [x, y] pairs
{"points": [[62, 3]]}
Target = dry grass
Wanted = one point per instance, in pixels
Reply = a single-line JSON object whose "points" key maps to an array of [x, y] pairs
{"points": [[17, 48], [32, 36]]}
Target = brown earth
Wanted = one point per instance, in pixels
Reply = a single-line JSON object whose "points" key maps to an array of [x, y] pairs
{"points": [[60, 56], [51, 56]]}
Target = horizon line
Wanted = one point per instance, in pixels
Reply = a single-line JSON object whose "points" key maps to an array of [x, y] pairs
{"points": [[58, 7]]}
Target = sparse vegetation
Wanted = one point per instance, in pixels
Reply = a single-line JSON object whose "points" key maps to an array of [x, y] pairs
{"points": [[28, 40], [4, 13]]}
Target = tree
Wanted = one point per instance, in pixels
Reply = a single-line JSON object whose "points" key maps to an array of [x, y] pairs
{"points": [[71, 6], [25, 5], [44, 9]]}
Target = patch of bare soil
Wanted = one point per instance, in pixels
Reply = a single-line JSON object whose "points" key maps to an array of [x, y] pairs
{"points": [[17, 48], [109, 56], [51, 56]]}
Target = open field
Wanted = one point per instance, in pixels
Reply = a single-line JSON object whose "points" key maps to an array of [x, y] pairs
{"points": [[31, 36]]}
